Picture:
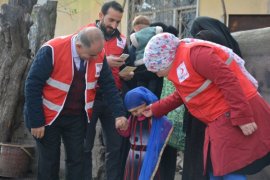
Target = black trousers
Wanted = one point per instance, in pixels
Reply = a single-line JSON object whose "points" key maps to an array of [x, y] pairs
{"points": [[72, 131], [167, 164], [112, 141], [193, 153]]}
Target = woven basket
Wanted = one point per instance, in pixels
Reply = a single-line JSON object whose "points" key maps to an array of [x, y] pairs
{"points": [[15, 159]]}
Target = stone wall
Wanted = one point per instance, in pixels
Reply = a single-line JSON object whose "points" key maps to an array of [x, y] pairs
{"points": [[255, 48]]}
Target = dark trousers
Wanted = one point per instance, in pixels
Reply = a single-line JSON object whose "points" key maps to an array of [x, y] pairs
{"points": [[167, 166], [72, 130], [111, 138], [193, 153]]}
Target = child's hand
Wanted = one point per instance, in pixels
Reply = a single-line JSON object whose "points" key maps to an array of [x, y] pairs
{"points": [[148, 112], [249, 128], [121, 123]]}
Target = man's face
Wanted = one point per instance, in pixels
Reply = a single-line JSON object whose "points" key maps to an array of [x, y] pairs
{"points": [[110, 21], [91, 52]]}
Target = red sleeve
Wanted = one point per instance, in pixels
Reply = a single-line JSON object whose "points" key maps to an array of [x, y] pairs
{"points": [[206, 62], [167, 104]]}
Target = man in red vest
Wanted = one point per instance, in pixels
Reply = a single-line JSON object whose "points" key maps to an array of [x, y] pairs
{"points": [[59, 95], [115, 44]]}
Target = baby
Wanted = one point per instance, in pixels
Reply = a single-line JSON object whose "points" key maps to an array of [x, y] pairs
{"points": [[143, 33]]}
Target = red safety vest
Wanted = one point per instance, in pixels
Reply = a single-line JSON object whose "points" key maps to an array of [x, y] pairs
{"points": [[202, 97], [114, 47], [57, 86]]}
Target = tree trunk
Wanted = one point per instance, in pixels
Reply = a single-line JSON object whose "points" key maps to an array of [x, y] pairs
{"points": [[15, 59], [14, 56], [43, 14]]}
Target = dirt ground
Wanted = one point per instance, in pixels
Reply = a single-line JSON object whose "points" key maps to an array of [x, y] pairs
{"points": [[263, 175]]}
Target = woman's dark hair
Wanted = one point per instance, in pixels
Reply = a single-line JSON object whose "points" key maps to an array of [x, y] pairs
{"points": [[168, 29], [112, 4], [172, 30]]}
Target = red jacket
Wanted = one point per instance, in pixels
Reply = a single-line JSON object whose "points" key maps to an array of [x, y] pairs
{"points": [[204, 99], [230, 148], [57, 86]]}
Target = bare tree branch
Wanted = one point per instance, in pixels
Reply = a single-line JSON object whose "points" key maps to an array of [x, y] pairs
{"points": [[224, 11]]}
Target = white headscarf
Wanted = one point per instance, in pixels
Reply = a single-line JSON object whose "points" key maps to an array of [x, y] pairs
{"points": [[160, 51]]}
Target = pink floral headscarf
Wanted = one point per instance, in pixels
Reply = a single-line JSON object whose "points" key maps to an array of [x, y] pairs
{"points": [[160, 51]]}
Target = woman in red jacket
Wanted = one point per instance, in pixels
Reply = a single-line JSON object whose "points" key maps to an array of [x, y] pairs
{"points": [[216, 89], [209, 29]]}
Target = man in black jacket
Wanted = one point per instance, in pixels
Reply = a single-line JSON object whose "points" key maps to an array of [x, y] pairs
{"points": [[115, 44]]}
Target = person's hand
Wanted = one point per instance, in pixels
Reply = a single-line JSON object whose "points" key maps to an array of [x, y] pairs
{"points": [[148, 112], [114, 61], [249, 128], [127, 77], [121, 123], [38, 132]]}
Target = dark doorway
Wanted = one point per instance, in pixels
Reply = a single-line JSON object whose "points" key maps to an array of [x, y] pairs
{"points": [[247, 22]]}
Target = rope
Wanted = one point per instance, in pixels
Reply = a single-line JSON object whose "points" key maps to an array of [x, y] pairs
{"points": [[19, 146]]}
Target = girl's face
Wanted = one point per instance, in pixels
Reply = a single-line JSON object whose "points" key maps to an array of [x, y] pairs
{"points": [[137, 111]]}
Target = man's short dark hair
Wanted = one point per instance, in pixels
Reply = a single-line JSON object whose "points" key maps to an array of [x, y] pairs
{"points": [[112, 4]]}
